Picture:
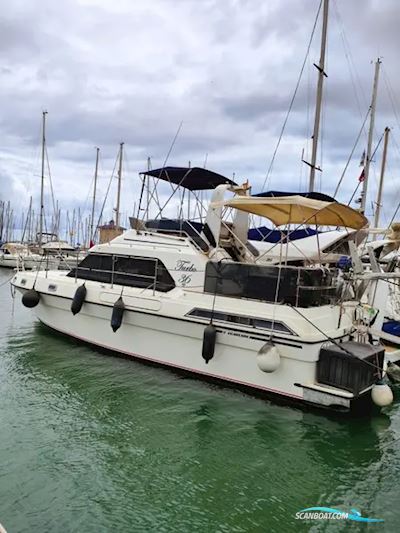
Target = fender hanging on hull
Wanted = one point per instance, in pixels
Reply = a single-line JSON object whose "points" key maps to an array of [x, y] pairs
{"points": [[30, 298], [79, 298], [209, 340], [117, 314]]}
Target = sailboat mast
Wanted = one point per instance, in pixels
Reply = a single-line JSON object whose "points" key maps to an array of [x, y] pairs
{"points": [[370, 136], [96, 168], [380, 188], [42, 180], [320, 86], [117, 216], [147, 178], [27, 223]]}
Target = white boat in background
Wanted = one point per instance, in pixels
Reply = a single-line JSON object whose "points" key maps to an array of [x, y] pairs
{"points": [[55, 255], [17, 255], [326, 247], [214, 309], [62, 254]]}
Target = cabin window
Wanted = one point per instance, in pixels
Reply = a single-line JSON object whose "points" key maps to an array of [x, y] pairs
{"points": [[339, 248], [301, 287], [165, 281], [95, 267], [134, 271], [146, 273], [142, 272], [256, 323]]}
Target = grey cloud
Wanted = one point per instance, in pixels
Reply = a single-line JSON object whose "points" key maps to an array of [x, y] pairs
{"points": [[132, 71]]}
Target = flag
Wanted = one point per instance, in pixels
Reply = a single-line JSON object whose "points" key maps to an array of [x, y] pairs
{"points": [[362, 161], [362, 176]]}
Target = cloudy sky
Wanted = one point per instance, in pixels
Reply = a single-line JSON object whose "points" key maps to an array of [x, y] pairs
{"points": [[133, 70]]}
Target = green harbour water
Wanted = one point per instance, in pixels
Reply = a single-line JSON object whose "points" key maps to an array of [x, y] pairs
{"points": [[94, 443]]}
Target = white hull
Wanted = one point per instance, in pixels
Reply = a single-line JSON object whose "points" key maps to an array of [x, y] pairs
{"points": [[26, 262], [39, 262], [155, 328], [164, 341]]}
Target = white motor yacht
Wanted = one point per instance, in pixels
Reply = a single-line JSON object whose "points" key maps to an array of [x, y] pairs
{"points": [[207, 306]]}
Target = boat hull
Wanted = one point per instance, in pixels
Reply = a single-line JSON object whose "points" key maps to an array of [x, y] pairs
{"points": [[13, 262], [177, 343], [360, 406]]}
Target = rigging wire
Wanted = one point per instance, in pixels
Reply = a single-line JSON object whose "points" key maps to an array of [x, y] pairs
{"points": [[156, 180], [7, 280], [331, 339], [127, 170], [108, 190], [293, 98], [91, 188], [350, 61], [394, 215], [396, 115], [51, 187], [391, 96], [372, 157], [398, 206], [351, 154]]}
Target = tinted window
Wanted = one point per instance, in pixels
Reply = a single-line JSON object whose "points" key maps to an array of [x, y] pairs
{"points": [[134, 272], [267, 324], [302, 287], [96, 262], [164, 279], [257, 323], [94, 267], [123, 270], [135, 265]]}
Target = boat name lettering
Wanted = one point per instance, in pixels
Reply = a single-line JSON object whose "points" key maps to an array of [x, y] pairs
{"points": [[185, 265], [184, 280]]}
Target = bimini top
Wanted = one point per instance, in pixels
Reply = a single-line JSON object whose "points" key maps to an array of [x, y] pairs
{"points": [[194, 179], [299, 210], [312, 195]]}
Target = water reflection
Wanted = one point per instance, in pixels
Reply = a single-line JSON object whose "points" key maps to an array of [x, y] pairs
{"points": [[91, 439]]}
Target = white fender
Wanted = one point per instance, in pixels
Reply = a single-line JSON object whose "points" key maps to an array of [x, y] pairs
{"points": [[268, 357], [381, 394]]}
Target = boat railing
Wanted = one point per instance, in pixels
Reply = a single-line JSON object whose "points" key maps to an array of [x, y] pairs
{"points": [[195, 238], [151, 279], [296, 286], [323, 294], [316, 294]]}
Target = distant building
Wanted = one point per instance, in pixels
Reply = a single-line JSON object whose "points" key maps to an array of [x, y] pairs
{"points": [[109, 231]]}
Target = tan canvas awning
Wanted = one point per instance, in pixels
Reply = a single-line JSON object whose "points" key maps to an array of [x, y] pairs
{"points": [[284, 210]]}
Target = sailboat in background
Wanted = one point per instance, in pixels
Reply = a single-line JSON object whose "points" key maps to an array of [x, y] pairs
{"points": [[112, 229], [47, 251]]}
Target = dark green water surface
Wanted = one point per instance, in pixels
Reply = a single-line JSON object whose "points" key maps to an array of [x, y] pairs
{"points": [[93, 443]]}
